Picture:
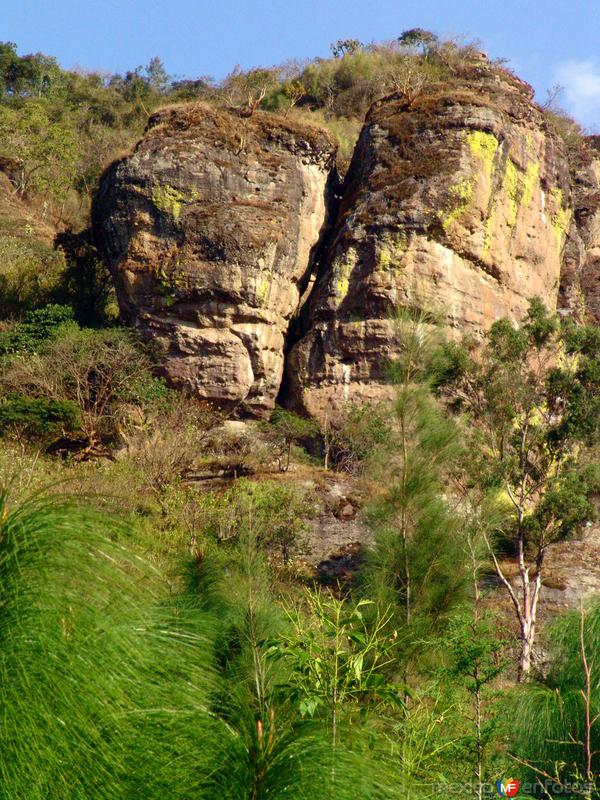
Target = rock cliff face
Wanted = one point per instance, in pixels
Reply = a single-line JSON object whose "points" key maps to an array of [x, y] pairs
{"points": [[208, 229], [580, 281], [459, 201]]}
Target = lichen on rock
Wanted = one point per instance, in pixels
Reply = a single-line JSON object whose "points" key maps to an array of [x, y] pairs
{"points": [[209, 229], [458, 201], [472, 181]]}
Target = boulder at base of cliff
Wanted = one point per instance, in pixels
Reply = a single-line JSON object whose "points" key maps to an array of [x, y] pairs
{"points": [[456, 202], [208, 228]]}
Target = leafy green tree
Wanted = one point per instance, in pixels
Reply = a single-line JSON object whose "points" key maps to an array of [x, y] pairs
{"points": [[336, 656], [47, 150], [247, 90], [9, 61], [336, 663], [286, 429], [345, 47], [418, 38], [530, 398], [157, 75]]}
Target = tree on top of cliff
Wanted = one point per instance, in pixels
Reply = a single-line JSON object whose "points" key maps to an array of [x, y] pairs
{"points": [[345, 47], [418, 38]]}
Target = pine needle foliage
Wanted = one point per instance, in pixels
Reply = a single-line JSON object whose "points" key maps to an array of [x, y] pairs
{"points": [[417, 565], [104, 688], [273, 748]]}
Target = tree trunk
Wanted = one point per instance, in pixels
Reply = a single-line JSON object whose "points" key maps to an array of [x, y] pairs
{"points": [[527, 642]]}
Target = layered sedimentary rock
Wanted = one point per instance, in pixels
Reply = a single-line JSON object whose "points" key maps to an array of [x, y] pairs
{"points": [[209, 229], [458, 201]]}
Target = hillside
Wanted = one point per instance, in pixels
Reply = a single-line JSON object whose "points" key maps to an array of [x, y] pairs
{"points": [[299, 431]]}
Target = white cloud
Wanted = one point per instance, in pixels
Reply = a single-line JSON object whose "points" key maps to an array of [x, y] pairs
{"points": [[581, 83]]}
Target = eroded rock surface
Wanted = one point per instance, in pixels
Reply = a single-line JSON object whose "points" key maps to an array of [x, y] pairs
{"points": [[208, 229], [580, 280], [460, 202]]}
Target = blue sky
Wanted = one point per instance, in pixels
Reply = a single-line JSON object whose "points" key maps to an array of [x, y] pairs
{"points": [[546, 41]]}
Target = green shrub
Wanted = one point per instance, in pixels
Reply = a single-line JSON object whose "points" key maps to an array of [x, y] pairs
{"points": [[364, 432], [37, 417], [30, 275], [37, 328], [105, 373], [272, 512], [285, 429]]}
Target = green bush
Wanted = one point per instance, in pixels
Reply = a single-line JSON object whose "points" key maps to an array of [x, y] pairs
{"points": [[30, 275], [273, 513], [38, 327], [37, 417], [360, 437], [286, 429], [106, 373]]}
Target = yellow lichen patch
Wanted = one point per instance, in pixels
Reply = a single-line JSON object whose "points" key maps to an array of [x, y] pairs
{"points": [[560, 219], [342, 273], [529, 181], [487, 235], [518, 187], [263, 289], [385, 259], [483, 146], [168, 199], [390, 252], [462, 194], [511, 190]]}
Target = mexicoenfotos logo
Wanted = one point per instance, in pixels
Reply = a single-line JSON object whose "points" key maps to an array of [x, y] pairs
{"points": [[508, 787]]}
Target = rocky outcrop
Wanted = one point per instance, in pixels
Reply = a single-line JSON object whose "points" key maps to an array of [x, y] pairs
{"points": [[580, 280], [459, 202], [209, 229]]}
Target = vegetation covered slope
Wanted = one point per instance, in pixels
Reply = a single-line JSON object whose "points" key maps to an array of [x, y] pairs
{"points": [[161, 634]]}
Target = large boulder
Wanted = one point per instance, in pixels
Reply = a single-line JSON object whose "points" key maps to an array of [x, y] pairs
{"points": [[209, 229], [458, 201]]}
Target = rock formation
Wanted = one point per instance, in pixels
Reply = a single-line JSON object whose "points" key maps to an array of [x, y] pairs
{"points": [[580, 281], [458, 201], [208, 229]]}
